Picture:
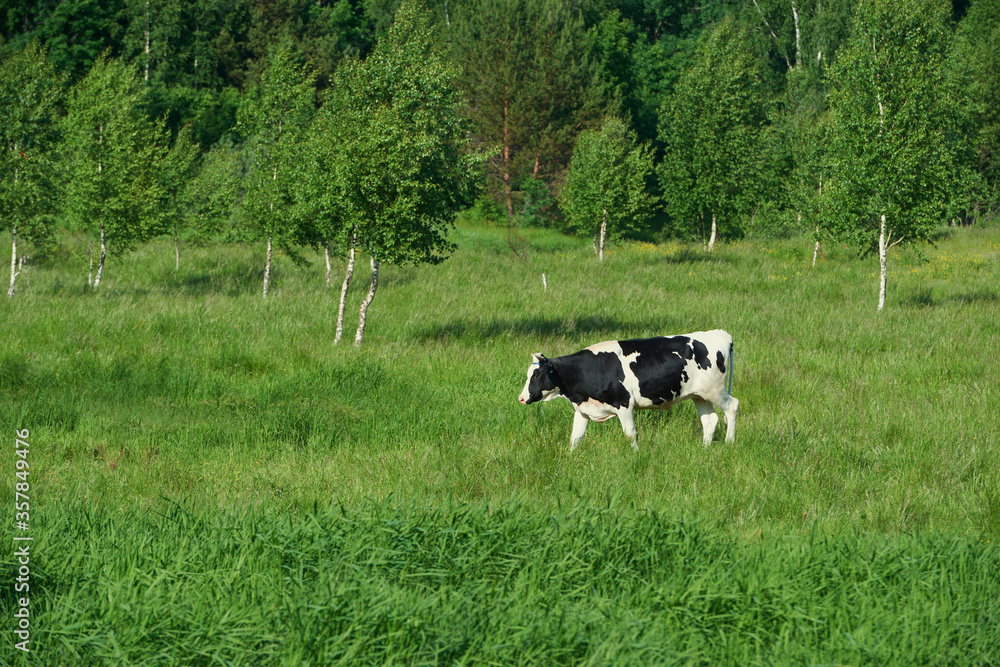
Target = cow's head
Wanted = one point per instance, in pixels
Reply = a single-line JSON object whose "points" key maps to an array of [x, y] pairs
{"points": [[540, 385]]}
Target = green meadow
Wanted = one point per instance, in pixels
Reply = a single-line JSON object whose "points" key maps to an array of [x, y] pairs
{"points": [[213, 482]]}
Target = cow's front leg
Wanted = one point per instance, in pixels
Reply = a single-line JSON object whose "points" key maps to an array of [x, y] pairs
{"points": [[627, 417], [579, 428]]}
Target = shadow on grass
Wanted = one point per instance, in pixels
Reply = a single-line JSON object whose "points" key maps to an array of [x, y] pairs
{"points": [[924, 298], [603, 328]]}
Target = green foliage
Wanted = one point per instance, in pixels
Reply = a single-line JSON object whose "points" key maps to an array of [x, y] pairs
{"points": [[526, 70], [29, 93], [394, 129], [607, 181], [892, 112], [974, 71], [272, 121], [180, 168], [113, 154], [711, 128]]}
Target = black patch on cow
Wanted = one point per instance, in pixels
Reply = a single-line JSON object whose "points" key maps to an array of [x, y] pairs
{"points": [[701, 355], [660, 364], [589, 375], [720, 361]]}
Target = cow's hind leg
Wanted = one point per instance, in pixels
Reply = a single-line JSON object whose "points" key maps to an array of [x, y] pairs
{"points": [[579, 428], [627, 418], [730, 406], [709, 420]]}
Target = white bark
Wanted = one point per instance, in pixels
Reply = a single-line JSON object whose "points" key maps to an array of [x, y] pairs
{"points": [[604, 236], [100, 261], [798, 35], [90, 274], [326, 250], [816, 247], [343, 294], [146, 75], [883, 247], [363, 313], [267, 267], [773, 36], [13, 260], [714, 235]]}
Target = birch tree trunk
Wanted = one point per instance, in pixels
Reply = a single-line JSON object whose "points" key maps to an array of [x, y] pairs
{"points": [[883, 247], [90, 273], [267, 267], [343, 294], [798, 35], [13, 260], [100, 261], [13, 243], [604, 235], [816, 247], [326, 251], [713, 236], [363, 313]]}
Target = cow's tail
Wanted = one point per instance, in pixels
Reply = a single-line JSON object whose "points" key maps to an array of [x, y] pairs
{"points": [[729, 380]]}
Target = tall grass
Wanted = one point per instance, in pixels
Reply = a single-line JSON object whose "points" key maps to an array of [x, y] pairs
{"points": [[393, 583]]}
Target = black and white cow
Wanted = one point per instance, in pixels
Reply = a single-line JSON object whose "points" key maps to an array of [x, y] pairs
{"points": [[617, 377]]}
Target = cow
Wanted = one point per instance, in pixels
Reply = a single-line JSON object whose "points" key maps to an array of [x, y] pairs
{"points": [[617, 377]]}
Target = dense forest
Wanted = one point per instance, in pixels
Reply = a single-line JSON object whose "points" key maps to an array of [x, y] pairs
{"points": [[366, 124]]}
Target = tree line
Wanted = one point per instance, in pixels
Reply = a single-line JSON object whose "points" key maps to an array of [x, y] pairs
{"points": [[365, 125]]}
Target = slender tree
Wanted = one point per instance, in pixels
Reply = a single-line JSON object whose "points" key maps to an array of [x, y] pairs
{"points": [[29, 92], [605, 191], [711, 127], [272, 121], [892, 168], [114, 154], [402, 149], [180, 166]]}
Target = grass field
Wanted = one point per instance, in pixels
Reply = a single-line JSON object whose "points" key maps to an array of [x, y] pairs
{"points": [[212, 480]]}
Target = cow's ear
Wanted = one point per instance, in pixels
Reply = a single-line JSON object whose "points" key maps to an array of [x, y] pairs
{"points": [[537, 358]]}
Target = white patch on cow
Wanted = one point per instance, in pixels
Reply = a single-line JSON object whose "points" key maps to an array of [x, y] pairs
{"points": [[596, 411]]}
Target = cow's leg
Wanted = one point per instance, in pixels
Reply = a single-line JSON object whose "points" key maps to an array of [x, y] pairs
{"points": [[730, 406], [627, 418], [579, 428], [709, 419]]}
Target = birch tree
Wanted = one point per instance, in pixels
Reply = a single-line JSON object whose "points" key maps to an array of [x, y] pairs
{"points": [[711, 128], [322, 195], [113, 153], [402, 149], [272, 121], [29, 92], [180, 166], [605, 191], [891, 163]]}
